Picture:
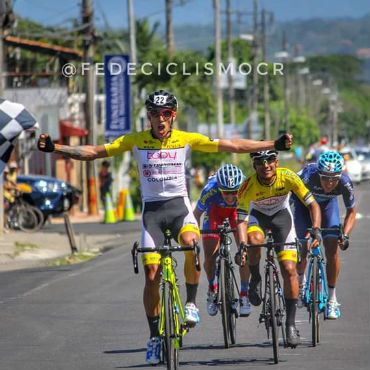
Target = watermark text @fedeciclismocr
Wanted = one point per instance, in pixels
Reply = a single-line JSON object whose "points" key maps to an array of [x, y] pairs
{"points": [[172, 69]]}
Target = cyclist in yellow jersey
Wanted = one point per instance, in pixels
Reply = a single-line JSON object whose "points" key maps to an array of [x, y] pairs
{"points": [[161, 153], [263, 203]]}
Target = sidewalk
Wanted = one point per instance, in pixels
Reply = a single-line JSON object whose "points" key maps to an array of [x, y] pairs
{"points": [[19, 250]]}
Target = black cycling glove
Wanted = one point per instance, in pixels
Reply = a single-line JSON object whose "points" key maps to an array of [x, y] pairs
{"points": [[280, 143], [49, 145], [316, 234]]}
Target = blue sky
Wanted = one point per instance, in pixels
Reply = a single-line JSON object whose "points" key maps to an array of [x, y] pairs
{"points": [[54, 12]]}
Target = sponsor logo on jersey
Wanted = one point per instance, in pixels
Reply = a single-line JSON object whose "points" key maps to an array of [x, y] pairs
{"points": [[161, 155]]}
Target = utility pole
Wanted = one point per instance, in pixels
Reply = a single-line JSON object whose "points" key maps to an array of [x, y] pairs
{"points": [[132, 30], [255, 43], [169, 28], [230, 76], [220, 113], [266, 90], [88, 45], [285, 82]]}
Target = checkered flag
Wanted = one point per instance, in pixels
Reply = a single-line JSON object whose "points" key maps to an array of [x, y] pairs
{"points": [[14, 119]]}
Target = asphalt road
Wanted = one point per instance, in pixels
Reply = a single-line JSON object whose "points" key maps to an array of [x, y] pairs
{"points": [[90, 316]]}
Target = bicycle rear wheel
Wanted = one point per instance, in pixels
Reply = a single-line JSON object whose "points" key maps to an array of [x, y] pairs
{"points": [[274, 329], [171, 352], [315, 324], [225, 308]]}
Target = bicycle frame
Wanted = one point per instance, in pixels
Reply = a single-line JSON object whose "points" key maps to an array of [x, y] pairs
{"points": [[227, 284], [323, 289], [280, 313], [273, 308], [316, 292], [224, 253], [169, 277]]}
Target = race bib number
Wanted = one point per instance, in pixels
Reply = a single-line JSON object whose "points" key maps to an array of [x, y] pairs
{"points": [[160, 99]]}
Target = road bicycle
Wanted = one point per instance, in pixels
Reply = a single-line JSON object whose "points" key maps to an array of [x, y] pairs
{"points": [[316, 293], [227, 295], [172, 326], [273, 302]]}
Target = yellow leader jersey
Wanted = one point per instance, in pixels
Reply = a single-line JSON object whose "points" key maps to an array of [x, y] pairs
{"points": [[269, 199], [162, 164]]}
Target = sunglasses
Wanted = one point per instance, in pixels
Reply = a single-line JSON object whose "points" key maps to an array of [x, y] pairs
{"points": [[331, 178], [167, 113], [262, 162], [229, 192]]}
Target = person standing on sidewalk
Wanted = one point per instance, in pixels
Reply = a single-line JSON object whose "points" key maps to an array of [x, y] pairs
{"points": [[105, 181], [161, 154]]}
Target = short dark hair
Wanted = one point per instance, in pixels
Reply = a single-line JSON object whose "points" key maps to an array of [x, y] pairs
{"points": [[105, 163]]}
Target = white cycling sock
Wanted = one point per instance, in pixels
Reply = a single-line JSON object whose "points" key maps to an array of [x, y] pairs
{"points": [[332, 296]]}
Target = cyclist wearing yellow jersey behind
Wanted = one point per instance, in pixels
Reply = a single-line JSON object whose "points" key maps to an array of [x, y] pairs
{"points": [[263, 203], [161, 154]]}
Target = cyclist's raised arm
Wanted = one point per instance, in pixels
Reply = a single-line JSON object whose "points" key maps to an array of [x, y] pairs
{"points": [[82, 153], [284, 142]]}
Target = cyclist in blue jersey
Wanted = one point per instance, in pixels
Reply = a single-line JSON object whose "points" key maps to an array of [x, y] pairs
{"points": [[327, 182], [218, 201]]}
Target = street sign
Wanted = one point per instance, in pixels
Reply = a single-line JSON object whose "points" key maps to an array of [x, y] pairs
{"points": [[117, 94]]}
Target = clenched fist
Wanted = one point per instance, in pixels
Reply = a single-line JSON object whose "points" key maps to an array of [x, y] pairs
{"points": [[45, 144]]}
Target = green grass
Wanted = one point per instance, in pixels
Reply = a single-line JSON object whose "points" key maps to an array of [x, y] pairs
{"points": [[72, 259], [23, 247]]}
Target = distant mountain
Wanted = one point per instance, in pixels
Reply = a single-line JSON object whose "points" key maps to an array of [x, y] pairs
{"points": [[314, 36]]}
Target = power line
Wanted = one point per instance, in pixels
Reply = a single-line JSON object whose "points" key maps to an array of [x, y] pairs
{"points": [[180, 3]]}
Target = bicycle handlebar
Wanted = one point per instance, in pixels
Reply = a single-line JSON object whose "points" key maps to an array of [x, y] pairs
{"points": [[135, 250], [271, 244], [218, 231], [341, 236]]}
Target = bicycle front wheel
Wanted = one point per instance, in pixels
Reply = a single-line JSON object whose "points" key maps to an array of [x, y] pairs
{"points": [[231, 299], [171, 352], [315, 325], [27, 220], [272, 288], [224, 302]]}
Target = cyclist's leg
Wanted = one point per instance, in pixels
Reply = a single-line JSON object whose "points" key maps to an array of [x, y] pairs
{"points": [[211, 244], [256, 225], [185, 229], [284, 231], [302, 222], [330, 219], [152, 236]]}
